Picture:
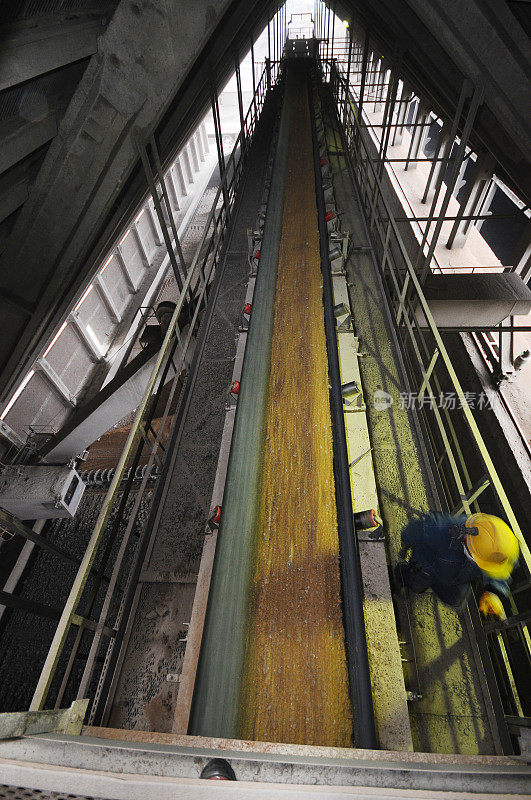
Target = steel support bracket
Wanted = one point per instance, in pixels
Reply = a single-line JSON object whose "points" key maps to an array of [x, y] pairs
{"points": [[15, 724]]}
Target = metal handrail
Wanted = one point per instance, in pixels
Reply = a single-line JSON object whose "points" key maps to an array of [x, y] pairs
{"points": [[409, 298], [218, 219], [443, 353]]}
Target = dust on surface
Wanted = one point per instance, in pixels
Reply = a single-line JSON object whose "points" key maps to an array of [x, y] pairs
{"points": [[451, 716], [295, 683]]}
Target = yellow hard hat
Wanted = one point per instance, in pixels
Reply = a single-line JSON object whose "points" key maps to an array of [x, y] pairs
{"points": [[495, 547]]}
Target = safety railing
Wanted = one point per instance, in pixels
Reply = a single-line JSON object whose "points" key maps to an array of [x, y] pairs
{"points": [[377, 80], [459, 455], [194, 284]]}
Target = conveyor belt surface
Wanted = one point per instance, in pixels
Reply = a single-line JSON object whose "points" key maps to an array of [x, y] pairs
{"points": [[295, 686]]}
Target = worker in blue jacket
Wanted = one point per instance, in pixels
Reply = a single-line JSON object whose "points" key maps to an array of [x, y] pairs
{"points": [[449, 552]]}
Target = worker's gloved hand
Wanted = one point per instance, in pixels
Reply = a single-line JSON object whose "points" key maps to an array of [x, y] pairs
{"points": [[490, 603]]}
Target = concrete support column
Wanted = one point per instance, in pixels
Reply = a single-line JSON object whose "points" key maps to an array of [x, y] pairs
{"points": [[108, 302], [476, 189], [403, 106], [128, 278], [199, 145], [154, 223], [84, 336], [140, 244], [521, 259], [187, 165], [193, 153], [372, 67], [418, 135], [379, 84], [440, 160], [484, 209], [172, 189], [205, 138], [179, 174]]}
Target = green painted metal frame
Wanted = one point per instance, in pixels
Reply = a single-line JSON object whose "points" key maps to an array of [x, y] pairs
{"points": [[431, 359], [14, 724], [212, 238]]}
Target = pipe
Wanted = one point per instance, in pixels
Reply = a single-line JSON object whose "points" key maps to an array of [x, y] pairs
{"points": [[351, 580]]}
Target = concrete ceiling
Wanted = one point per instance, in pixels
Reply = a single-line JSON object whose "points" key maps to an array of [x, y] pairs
{"points": [[81, 80], [441, 42], [45, 46], [150, 73]]}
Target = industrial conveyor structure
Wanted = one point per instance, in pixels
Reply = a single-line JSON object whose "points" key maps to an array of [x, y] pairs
{"points": [[254, 613]]}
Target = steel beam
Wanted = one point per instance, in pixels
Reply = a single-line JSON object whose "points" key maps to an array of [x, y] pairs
{"points": [[19, 140], [162, 221], [240, 100], [15, 725], [219, 138], [364, 63], [46, 46], [12, 524]]}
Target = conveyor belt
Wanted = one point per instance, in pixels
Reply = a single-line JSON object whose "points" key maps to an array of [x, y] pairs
{"points": [[295, 678], [273, 662]]}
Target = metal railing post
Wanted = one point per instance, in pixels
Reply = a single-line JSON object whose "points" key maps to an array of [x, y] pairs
{"points": [[68, 615], [160, 214]]}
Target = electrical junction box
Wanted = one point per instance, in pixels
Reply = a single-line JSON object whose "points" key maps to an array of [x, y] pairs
{"points": [[40, 492]]}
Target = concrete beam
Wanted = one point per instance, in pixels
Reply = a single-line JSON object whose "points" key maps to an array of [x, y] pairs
{"points": [[13, 196], [57, 383], [89, 764], [20, 138], [28, 52], [150, 56]]}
